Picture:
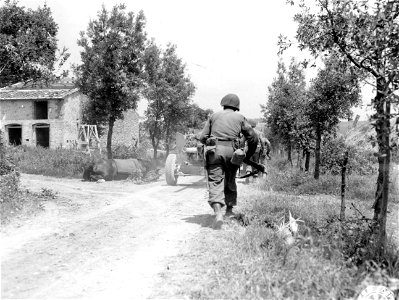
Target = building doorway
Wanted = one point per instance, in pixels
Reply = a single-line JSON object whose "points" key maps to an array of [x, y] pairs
{"points": [[42, 135], [14, 135]]}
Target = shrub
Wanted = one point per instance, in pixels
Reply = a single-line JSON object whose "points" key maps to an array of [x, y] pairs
{"points": [[120, 151], [9, 184], [361, 160], [51, 162], [283, 178]]}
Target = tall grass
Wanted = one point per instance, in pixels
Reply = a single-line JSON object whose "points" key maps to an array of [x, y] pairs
{"points": [[65, 162], [282, 178], [51, 162], [327, 259]]}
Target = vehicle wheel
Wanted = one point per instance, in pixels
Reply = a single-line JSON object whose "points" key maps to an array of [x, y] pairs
{"points": [[170, 170]]}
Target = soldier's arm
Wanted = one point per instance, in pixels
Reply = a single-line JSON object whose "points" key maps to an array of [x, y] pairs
{"points": [[251, 138], [205, 132]]}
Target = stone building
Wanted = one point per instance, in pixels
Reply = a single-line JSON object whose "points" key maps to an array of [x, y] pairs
{"points": [[48, 116]]}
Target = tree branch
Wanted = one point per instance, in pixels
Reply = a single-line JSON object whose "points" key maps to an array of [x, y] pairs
{"points": [[342, 45]]}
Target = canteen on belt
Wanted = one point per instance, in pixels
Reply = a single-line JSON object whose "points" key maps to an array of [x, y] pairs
{"points": [[238, 157]]}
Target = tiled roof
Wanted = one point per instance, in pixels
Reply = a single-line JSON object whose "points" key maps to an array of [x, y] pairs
{"points": [[10, 94]]}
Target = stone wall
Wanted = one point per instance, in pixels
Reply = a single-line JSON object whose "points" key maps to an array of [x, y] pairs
{"points": [[126, 131], [72, 107], [24, 109]]}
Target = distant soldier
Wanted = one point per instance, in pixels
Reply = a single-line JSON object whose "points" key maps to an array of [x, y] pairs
{"points": [[262, 151], [219, 135]]}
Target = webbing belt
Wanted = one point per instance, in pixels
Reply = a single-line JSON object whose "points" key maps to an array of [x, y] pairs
{"points": [[224, 143]]}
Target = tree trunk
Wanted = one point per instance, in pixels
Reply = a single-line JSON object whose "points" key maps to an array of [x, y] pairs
{"points": [[155, 147], [383, 109], [289, 153], [167, 144], [111, 123], [307, 160], [317, 153], [299, 161], [379, 128], [343, 185]]}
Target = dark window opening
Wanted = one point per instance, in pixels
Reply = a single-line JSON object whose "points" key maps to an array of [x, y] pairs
{"points": [[43, 136], [41, 110], [15, 135]]}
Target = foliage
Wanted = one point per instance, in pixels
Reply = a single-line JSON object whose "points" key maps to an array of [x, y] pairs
{"points": [[50, 162], [366, 34], [28, 42], [197, 117], [252, 260], [9, 179], [361, 161], [282, 178], [121, 151], [169, 94], [112, 66], [332, 94], [9, 183], [284, 109]]}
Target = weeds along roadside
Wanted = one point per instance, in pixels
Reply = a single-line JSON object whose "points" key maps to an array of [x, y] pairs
{"points": [[325, 259], [63, 162], [13, 199]]}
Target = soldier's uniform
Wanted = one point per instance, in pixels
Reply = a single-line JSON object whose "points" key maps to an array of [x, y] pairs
{"points": [[224, 128], [262, 149]]}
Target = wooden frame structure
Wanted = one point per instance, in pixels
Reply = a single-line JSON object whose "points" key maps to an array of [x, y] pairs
{"points": [[87, 136]]}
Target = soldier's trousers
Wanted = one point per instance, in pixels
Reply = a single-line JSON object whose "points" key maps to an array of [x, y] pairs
{"points": [[256, 158], [222, 175]]}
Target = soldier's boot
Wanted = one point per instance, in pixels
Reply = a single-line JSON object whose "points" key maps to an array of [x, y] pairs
{"points": [[217, 208], [229, 211]]}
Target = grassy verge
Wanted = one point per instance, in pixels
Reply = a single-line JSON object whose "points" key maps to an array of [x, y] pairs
{"points": [[64, 162], [255, 258], [50, 162], [13, 200]]}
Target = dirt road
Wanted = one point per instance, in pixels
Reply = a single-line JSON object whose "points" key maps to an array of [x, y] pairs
{"points": [[107, 240]]}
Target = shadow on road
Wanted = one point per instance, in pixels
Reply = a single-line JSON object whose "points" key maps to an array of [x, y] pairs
{"points": [[200, 184], [205, 220]]}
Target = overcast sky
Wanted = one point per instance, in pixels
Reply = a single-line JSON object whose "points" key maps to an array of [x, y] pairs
{"points": [[228, 46]]}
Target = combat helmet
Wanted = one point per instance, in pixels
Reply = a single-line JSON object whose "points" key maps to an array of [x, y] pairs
{"points": [[231, 100], [252, 123]]}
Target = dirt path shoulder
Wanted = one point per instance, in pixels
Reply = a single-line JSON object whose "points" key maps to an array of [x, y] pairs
{"points": [[104, 240]]}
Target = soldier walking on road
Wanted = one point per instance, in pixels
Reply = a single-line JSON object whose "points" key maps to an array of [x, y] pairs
{"points": [[262, 151], [220, 136]]}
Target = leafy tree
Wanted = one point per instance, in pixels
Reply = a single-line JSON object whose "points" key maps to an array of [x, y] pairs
{"points": [[197, 116], [112, 65], [332, 94], [169, 94], [28, 44], [285, 101], [366, 33]]}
